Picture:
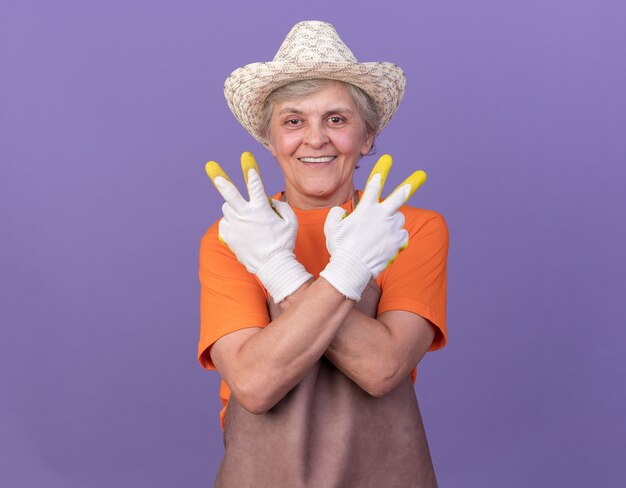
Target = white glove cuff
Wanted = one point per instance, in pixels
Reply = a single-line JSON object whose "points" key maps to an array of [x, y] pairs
{"points": [[282, 275], [348, 274]]}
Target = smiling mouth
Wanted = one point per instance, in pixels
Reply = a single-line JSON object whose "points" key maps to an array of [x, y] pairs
{"points": [[323, 159]]}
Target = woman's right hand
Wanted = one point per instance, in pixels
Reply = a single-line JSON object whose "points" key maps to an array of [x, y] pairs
{"points": [[260, 232], [363, 243]]}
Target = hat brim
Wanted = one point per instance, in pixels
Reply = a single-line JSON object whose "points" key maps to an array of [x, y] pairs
{"points": [[247, 87]]}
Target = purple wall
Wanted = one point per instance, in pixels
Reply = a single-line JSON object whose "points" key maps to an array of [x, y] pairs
{"points": [[108, 111]]}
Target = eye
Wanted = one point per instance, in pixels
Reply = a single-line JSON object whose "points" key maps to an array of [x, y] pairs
{"points": [[336, 119], [293, 122]]}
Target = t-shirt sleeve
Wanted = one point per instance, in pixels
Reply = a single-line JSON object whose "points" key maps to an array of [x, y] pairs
{"points": [[416, 280], [231, 298]]}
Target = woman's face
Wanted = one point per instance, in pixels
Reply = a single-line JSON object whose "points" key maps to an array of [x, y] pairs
{"points": [[317, 141]]}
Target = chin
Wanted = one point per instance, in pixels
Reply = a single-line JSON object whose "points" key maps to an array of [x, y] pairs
{"points": [[320, 191]]}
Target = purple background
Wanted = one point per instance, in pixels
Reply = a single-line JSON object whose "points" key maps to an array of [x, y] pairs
{"points": [[108, 111]]}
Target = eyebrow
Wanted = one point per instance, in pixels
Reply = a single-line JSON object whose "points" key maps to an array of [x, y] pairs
{"points": [[340, 110]]}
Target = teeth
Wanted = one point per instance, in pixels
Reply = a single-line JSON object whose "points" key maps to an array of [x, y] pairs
{"points": [[325, 159]]}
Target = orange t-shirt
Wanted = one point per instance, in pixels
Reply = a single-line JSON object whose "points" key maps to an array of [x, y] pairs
{"points": [[231, 298]]}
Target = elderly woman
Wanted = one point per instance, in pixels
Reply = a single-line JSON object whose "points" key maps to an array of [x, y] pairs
{"points": [[315, 335]]}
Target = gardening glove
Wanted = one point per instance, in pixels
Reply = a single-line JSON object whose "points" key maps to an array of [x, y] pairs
{"points": [[363, 243], [261, 233]]}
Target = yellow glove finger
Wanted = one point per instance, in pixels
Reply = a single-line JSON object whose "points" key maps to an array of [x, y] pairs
{"points": [[213, 170], [416, 180], [256, 189], [382, 167], [224, 185], [247, 163]]}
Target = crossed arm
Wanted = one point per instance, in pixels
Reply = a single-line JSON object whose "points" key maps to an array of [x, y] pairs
{"points": [[261, 365]]}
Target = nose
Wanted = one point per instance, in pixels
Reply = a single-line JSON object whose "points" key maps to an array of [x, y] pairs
{"points": [[315, 135]]}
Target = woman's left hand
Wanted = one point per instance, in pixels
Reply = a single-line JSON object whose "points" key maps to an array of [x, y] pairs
{"points": [[362, 244], [260, 232]]}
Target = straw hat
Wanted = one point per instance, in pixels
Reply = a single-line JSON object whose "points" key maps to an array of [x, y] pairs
{"points": [[312, 49]]}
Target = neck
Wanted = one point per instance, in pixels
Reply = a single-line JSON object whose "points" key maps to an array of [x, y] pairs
{"points": [[304, 202]]}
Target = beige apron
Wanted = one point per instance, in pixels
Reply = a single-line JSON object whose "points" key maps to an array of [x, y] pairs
{"points": [[327, 432]]}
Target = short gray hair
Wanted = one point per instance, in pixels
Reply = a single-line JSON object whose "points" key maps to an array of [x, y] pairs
{"points": [[302, 88]]}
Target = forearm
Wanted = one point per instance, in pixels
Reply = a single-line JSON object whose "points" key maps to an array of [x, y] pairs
{"points": [[279, 356], [363, 349], [378, 354]]}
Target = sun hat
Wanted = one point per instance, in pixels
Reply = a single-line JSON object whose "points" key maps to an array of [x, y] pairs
{"points": [[312, 49]]}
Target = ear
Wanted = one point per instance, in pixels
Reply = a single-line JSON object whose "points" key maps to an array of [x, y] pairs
{"points": [[367, 144]]}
